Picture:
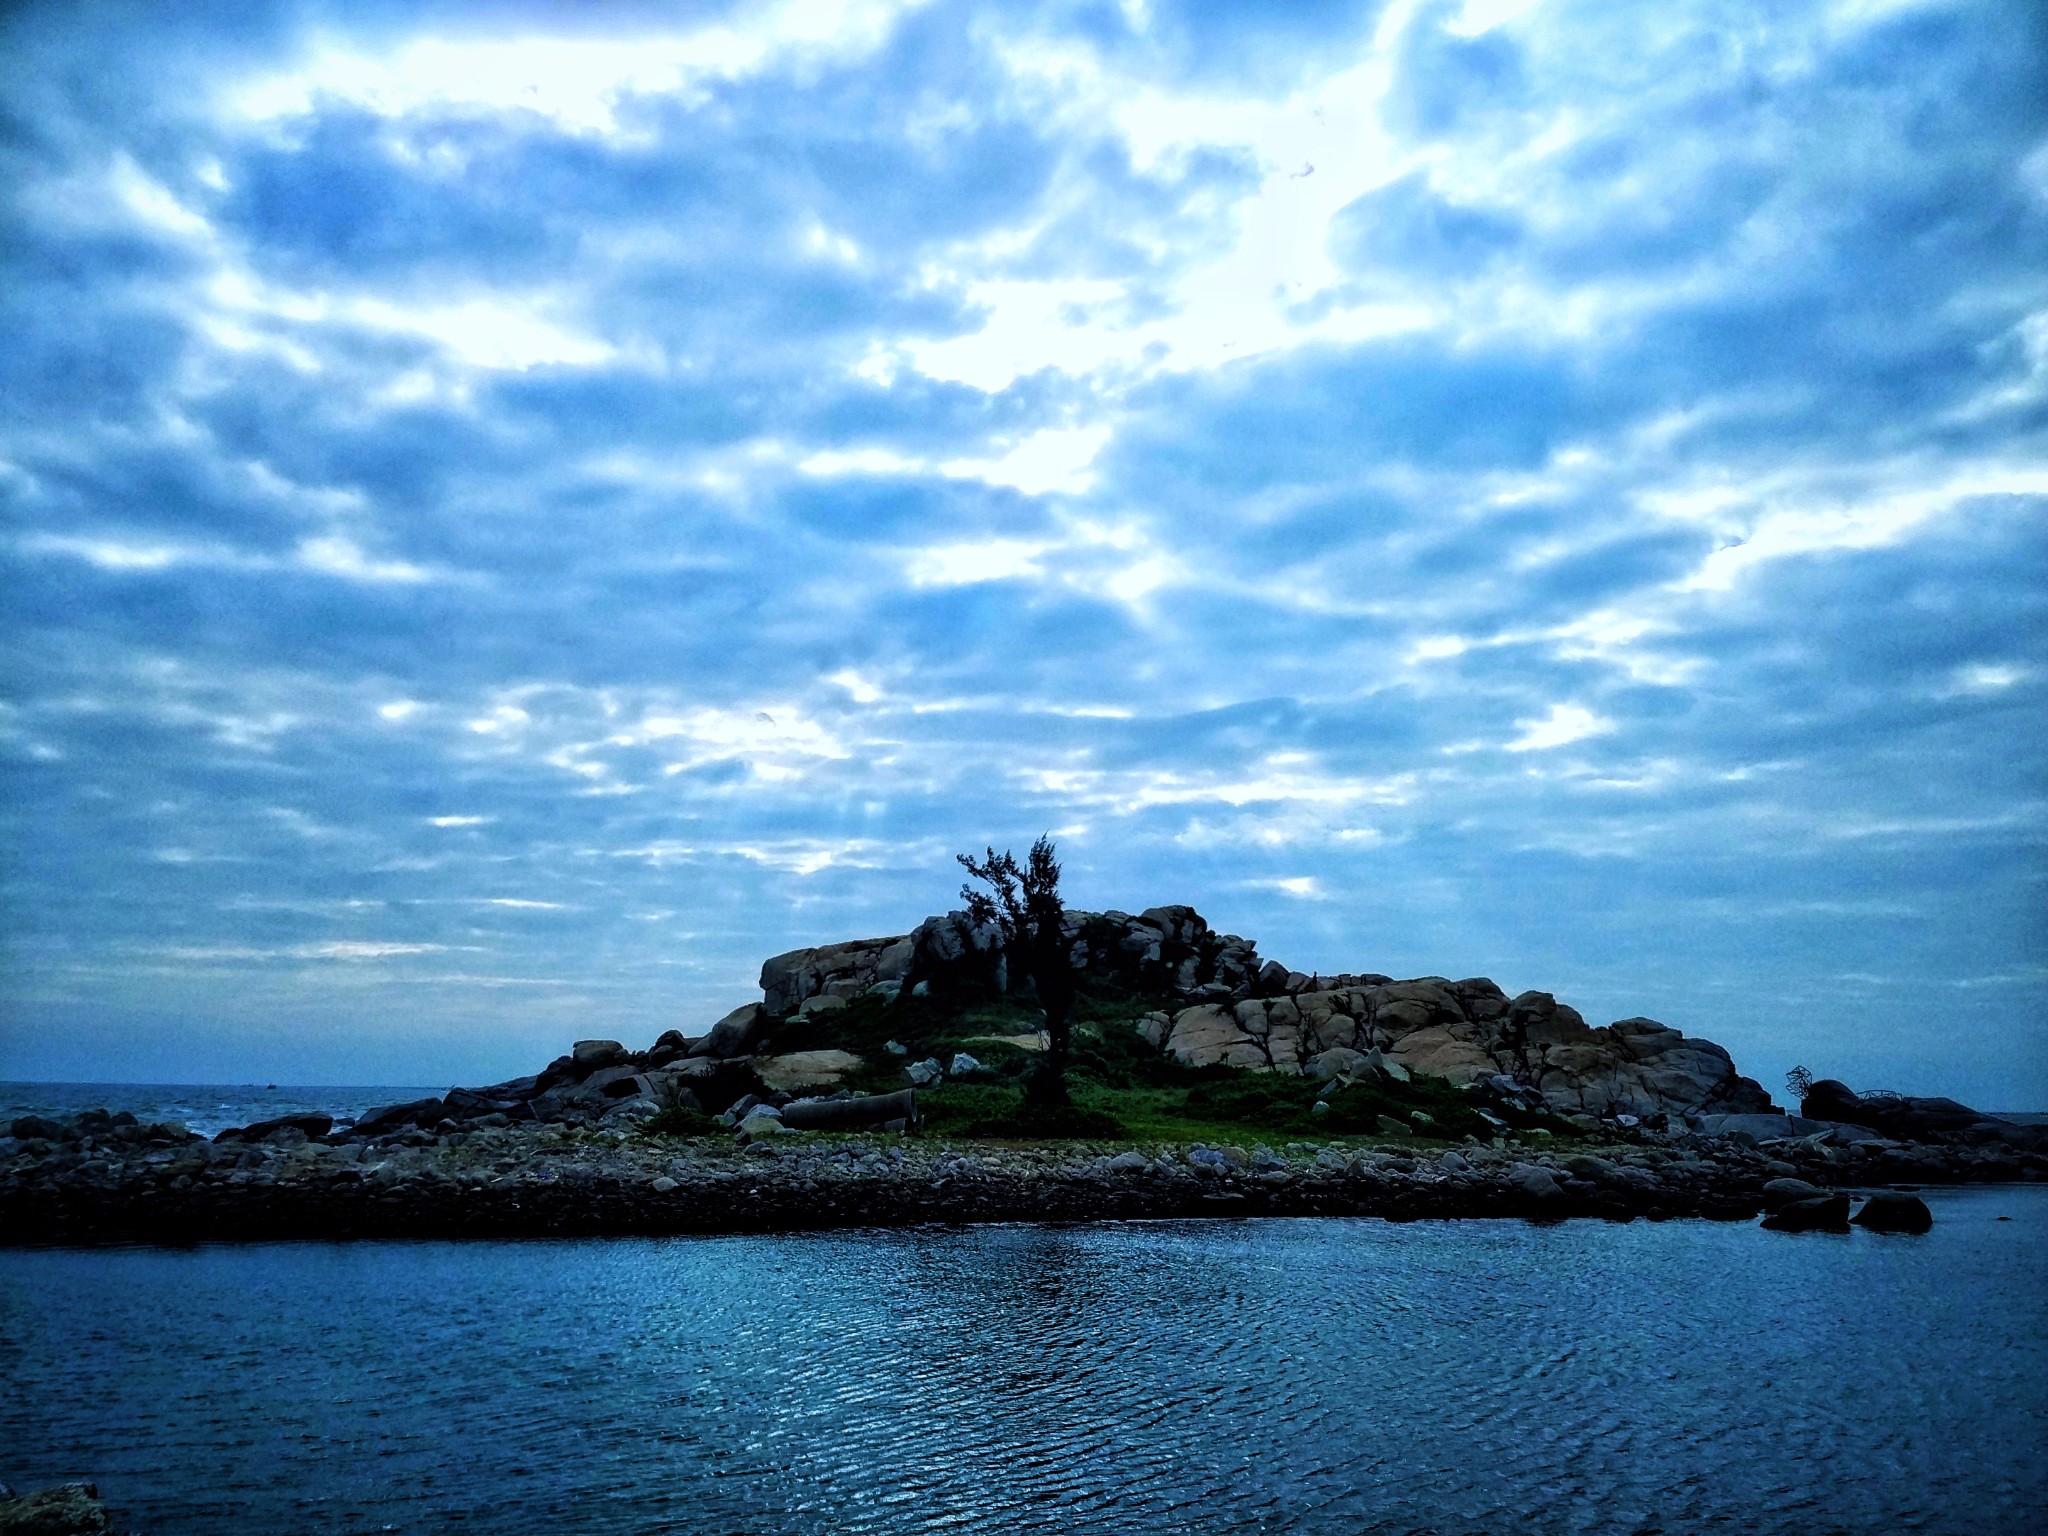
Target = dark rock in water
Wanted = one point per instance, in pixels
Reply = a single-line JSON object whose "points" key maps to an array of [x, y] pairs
{"points": [[395, 1117], [1892, 1212], [1782, 1192], [1829, 1213], [310, 1125], [41, 1127], [69, 1509]]}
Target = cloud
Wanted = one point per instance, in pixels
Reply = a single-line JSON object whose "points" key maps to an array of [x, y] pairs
{"points": [[1565, 724], [529, 513]]}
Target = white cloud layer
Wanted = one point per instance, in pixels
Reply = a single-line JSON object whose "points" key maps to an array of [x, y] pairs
{"points": [[528, 513]]}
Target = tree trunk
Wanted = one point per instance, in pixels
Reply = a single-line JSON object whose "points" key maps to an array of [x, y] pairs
{"points": [[1048, 1085], [1054, 980]]}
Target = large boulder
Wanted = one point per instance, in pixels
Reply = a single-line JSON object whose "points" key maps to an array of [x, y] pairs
{"points": [[1894, 1212], [593, 1055], [835, 970], [308, 1126], [1642, 1067], [715, 1083], [398, 1117], [1823, 1213], [735, 1034], [1208, 1034], [802, 1071], [1441, 1051], [1779, 1193]]}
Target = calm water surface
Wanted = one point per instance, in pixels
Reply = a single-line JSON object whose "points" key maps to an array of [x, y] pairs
{"points": [[1313, 1376]]}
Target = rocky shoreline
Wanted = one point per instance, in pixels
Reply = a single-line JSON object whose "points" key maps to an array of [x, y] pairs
{"points": [[107, 1182], [1425, 1098]]}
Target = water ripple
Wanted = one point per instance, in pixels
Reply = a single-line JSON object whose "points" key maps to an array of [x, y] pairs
{"points": [[1314, 1377]]}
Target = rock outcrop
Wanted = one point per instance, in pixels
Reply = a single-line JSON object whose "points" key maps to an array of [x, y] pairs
{"points": [[69, 1509], [1201, 997], [1903, 1118], [1228, 1005]]}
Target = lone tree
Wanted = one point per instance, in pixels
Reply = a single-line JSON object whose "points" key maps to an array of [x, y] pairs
{"points": [[1024, 906]]}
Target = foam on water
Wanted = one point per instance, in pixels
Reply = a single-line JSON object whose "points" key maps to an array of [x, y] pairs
{"points": [[1313, 1376], [203, 1107]]}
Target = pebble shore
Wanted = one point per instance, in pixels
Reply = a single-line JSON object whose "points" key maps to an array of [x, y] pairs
{"points": [[108, 1182]]}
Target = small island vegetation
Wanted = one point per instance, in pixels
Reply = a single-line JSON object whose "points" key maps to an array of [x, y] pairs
{"points": [[1119, 1087]]}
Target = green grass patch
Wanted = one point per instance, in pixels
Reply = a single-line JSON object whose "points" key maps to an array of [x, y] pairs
{"points": [[682, 1122], [1128, 1087]]}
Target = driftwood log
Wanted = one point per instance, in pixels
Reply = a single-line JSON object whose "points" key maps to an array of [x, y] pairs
{"points": [[872, 1111]]}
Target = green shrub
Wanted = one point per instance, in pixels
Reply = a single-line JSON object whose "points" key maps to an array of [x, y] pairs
{"points": [[681, 1122], [951, 1109]]}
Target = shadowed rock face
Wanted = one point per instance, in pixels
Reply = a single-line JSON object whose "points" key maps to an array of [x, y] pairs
{"points": [[1913, 1119], [1243, 1011]]}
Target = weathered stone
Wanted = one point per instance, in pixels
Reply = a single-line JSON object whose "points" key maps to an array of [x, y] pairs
{"points": [[69, 1509], [798, 1071], [397, 1116], [844, 970], [1894, 1212], [1783, 1191], [307, 1126], [1536, 1181], [734, 1035], [1400, 1017], [1338, 1061], [1905, 1118], [1825, 1213], [1377, 1063], [591, 1055], [1440, 1053], [761, 1120], [1205, 1035]]}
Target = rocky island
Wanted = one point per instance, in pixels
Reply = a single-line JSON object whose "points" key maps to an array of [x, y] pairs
{"points": [[876, 1082]]}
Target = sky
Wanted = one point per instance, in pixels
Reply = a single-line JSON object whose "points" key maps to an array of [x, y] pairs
{"points": [[513, 515]]}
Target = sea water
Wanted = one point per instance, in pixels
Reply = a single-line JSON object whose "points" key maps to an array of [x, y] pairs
{"points": [[1330, 1375], [203, 1107]]}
